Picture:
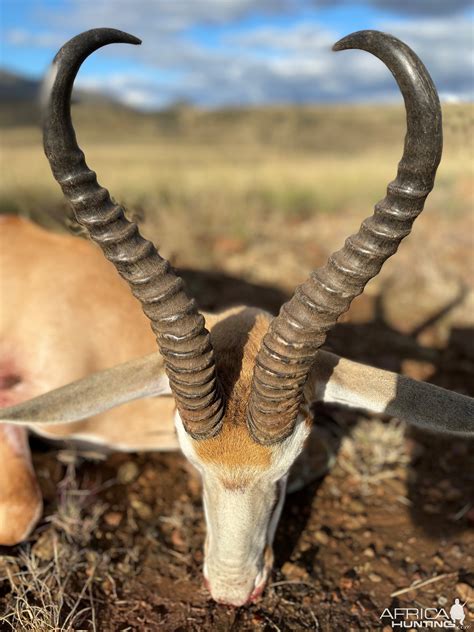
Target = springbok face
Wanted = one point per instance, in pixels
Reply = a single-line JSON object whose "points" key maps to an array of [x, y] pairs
{"points": [[244, 489], [242, 389], [244, 482]]}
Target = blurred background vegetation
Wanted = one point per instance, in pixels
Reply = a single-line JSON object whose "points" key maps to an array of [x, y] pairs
{"points": [[211, 184]]}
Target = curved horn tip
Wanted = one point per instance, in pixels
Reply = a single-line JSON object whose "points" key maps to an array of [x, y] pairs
{"points": [[98, 37], [122, 36], [354, 40]]}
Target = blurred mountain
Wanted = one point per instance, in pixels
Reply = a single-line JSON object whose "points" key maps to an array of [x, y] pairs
{"points": [[19, 99], [16, 88]]}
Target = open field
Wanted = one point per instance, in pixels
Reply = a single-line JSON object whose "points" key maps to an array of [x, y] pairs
{"points": [[247, 203]]}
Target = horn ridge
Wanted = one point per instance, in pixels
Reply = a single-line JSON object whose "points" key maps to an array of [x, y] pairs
{"points": [[319, 302], [181, 335]]}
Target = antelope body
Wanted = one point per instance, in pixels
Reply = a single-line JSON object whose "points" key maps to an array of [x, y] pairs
{"points": [[232, 390]]}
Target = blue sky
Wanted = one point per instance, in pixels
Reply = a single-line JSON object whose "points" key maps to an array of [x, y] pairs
{"points": [[232, 52]]}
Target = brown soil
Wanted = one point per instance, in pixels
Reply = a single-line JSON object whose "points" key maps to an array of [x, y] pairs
{"points": [[345, 544]]}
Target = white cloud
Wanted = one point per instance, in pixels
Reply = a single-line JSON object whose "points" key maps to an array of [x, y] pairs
{"points": [[409, 7], [42, 39], [263, 64], [446, 48]]}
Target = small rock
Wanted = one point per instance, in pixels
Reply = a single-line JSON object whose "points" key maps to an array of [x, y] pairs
{"points": [[368, 552], [438, 561], [113, 518], [465, 591], [417, 370], [127, 473], [142, 509], [177, 539], [356, 507], [442, 601], [321, 537], [293, 571], [355, 522], [375, 578]]}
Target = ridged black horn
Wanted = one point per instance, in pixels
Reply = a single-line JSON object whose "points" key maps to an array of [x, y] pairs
{"points": [[289, 348], [181, 335]]}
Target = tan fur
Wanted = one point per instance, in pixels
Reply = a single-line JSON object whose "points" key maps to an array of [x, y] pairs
{"points": [[20, 496], [69, 314], [236, 337], [72, 315]]}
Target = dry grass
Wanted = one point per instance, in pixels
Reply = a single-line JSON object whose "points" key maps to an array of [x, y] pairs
{"points": [[233, 172], [52, 582], [373, 451], [78, 513], [41, 594]]}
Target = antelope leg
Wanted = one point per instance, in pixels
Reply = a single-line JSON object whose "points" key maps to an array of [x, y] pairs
{"points": [[21, 503]]}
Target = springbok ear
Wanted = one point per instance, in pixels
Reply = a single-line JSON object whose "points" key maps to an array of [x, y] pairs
{"points": [[96, 393], [340, 381]]}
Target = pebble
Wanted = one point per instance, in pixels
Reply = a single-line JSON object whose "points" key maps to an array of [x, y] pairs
{"points": [[113, 518], [465, 591], [438, 561], [293, 571], [368, 552], [127, 473], [356, 507], [177, 539], [142, 509], [375, 578], [355, 522], [321, 537]]}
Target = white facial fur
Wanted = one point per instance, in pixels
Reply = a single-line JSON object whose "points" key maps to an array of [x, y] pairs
{"points": [[241, 521]]}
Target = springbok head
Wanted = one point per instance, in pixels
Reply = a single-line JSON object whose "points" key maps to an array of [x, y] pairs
{"points": [[243, 389]]}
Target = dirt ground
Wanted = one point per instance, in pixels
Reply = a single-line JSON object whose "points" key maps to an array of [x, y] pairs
{"points": [[122, 538], [391, 525]]}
